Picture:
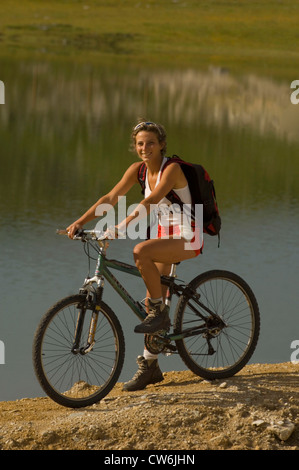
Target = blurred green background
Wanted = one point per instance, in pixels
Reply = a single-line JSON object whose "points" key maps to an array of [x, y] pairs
{"points": [[77, 76]]}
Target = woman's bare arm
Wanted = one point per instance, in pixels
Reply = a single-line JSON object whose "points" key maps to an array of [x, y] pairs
{"points": [[169, 179], [120, 189]]}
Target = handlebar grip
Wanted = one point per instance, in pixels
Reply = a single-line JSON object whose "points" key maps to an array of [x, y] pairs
{"points": [[61, 232]]}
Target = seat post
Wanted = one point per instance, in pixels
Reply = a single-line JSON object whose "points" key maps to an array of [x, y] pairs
{"points": [[173, 270], [172, 275]]}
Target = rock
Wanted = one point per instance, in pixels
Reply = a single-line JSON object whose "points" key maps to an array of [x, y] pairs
{"points": [[222, 441], [95, 432], [49, 437], [223, 385], [258, 422], [283, 429]]}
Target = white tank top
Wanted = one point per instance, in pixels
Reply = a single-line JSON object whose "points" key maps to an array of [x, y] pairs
{"points": [[166, 216]]}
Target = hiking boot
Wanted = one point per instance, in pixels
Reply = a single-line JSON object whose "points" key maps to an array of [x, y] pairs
{"points": [[148, 373], [156, 320]]}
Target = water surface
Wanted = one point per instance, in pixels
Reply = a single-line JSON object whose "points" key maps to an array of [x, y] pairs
{"points": [[64, 136]]}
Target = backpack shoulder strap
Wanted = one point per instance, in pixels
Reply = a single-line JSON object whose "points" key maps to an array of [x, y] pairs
{"points": [[173, 159], [141, 176], [142, 172], [172, 195]]}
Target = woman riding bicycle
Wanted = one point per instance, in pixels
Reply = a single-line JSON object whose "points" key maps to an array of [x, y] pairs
{"points": [[154, 256]]}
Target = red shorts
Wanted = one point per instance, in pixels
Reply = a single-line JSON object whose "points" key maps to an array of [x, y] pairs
{"points": [[165, 232]]}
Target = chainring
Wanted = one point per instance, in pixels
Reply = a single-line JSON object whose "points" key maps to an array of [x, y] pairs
{"points": [[154, 344]]}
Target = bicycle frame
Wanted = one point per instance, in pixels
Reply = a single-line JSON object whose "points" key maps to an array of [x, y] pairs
{"points": [[84, 324], [103, 272]]}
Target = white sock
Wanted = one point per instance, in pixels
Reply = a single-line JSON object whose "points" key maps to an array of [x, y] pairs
{"points": [[148, 356], [155, 301]]}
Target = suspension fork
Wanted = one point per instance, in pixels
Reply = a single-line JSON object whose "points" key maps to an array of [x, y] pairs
{"points": [[94, 321], [95, 307], [79, 327]]}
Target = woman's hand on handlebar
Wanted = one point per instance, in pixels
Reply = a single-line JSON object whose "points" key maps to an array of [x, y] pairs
{"points": [[73, 229]]}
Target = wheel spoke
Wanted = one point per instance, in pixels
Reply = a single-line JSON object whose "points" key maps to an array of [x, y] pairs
{"points": [[231, 299], [77, 379]]}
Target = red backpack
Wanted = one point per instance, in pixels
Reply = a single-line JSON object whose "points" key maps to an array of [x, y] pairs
{"points": [[201, 188]]}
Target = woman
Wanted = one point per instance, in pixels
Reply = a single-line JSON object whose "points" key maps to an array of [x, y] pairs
{"points": [[153, 257]]}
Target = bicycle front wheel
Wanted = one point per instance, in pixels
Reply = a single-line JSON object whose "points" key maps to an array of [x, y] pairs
{"points": [[211, 351], [78, 377]]}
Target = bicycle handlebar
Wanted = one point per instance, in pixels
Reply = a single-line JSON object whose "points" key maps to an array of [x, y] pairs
{"points": [[85, 234]]}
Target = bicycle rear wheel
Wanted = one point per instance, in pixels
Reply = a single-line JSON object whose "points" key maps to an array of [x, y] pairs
{"points": [[219, 352], [77, 378]]}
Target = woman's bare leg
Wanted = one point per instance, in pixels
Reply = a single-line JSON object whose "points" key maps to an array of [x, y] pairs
{"points": [[152, 256], [164, 269]]}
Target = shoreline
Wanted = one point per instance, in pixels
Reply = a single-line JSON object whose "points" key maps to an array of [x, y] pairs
{"points": [[257, 409]]}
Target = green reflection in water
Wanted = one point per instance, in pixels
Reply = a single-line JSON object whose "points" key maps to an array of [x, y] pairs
{"points": [[65, 134]]}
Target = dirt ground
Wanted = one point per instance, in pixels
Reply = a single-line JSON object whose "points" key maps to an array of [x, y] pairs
{"points": [[257, 409]]}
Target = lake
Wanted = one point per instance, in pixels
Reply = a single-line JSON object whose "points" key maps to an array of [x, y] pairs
{"points": [[65, 138]]}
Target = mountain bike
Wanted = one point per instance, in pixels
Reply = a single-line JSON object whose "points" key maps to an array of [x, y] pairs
{"points": [[79, 345]]}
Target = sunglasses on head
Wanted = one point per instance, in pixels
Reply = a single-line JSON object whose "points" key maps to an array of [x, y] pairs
{"points": [[141, 124]]}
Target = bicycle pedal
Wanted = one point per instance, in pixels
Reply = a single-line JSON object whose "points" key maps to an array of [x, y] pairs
{"points": [[170, 348], [161, 332]]}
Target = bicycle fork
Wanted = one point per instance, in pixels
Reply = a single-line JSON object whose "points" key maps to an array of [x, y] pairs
{"points": [[78, 331], [76, 349]]}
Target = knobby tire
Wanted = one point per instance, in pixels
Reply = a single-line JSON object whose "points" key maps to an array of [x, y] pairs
{"points": [[230, 297], [71, 380]]}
